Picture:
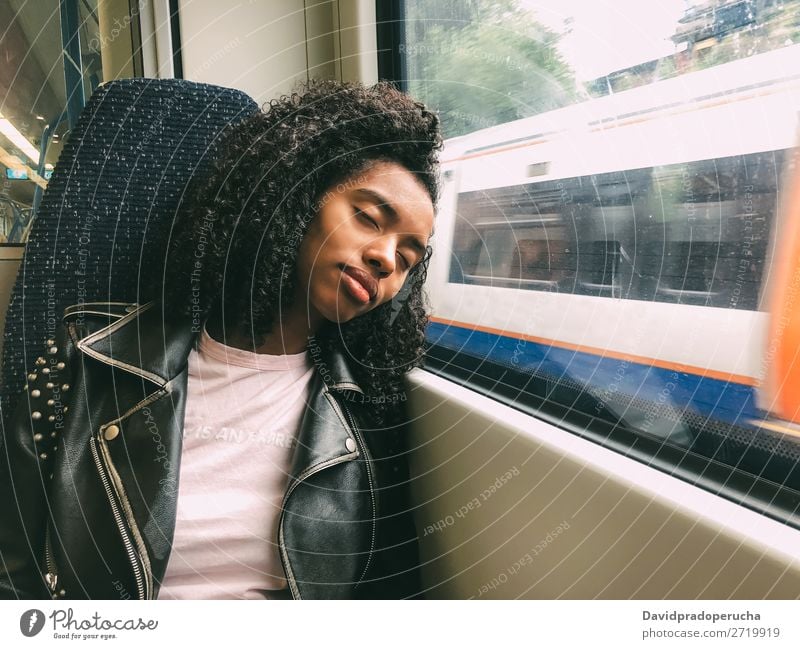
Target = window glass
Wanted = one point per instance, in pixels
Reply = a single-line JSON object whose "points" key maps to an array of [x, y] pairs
{"points": [[614, 181], [34, 119]]}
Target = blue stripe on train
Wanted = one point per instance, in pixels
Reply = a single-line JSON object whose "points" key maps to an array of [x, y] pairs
{"points": [[722, 400]]}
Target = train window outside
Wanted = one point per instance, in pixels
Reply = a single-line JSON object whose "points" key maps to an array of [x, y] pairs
{"points": [[102, 41], [692, 247], [615, 200]]}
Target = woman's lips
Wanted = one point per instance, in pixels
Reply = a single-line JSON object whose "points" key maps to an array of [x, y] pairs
{"points": [[359, 284]]}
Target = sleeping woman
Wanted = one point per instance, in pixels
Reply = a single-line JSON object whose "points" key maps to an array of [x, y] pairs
{"points": [[240, 432]]}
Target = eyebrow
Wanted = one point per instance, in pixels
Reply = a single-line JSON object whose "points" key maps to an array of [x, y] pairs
{"points": [[385, 206]]}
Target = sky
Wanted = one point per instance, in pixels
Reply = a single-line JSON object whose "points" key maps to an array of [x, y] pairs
{"points": [[609, 35]]}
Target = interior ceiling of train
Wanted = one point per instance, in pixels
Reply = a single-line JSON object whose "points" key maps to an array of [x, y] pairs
{"points": [[31, 79]]}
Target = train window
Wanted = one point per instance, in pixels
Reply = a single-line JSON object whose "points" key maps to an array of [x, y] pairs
{"points": [[673, 234], [611, 206], [45, 88]]}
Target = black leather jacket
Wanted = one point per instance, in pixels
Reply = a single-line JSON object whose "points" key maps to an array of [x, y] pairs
{"points": [[89, 483]]}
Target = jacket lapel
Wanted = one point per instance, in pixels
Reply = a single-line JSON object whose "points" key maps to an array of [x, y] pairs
{"points": [[145, 343], [137, 447], [155, 348]]}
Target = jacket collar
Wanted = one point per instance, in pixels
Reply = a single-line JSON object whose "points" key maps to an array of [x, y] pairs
{"points": [[156, 348], [144, 343]]}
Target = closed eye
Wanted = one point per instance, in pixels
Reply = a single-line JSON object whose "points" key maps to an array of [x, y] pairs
{"points": [[367, 217], [405, 261], [377, 227]]}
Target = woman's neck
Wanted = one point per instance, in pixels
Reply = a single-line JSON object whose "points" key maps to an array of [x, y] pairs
{"points": [[289, 335]]}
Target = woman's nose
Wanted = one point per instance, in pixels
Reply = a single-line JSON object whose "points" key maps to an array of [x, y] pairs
{"points": [[381, 255]]}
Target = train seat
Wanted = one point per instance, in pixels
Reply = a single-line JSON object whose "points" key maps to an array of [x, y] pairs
{"points": [[122, 172]]}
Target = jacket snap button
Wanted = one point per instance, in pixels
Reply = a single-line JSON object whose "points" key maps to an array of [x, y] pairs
{"points": [[111, 432], [350, 443]]}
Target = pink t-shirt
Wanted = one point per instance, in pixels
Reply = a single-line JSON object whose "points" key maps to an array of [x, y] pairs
{"points": [[243, 412]]}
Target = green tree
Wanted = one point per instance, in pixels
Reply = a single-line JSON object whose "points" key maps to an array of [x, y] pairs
{"points": [[483, 62]]}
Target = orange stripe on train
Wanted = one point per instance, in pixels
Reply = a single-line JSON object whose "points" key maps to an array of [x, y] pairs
{"points": [[608, 353]]}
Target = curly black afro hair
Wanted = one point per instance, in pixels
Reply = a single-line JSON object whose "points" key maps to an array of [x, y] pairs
{"points": [[249, 217]]}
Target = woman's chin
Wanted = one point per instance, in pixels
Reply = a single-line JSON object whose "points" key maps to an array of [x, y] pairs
{"points": [[338, 312]]}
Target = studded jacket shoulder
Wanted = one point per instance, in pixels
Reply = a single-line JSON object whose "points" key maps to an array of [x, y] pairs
{"points": [[27, 459]]}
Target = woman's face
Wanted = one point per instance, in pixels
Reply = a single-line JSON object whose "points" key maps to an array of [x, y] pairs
{"points": [[368, 234]]}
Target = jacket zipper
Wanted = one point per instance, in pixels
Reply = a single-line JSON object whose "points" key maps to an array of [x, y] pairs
{"points": [[138, 569], [373, 495], [52, 573]]}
